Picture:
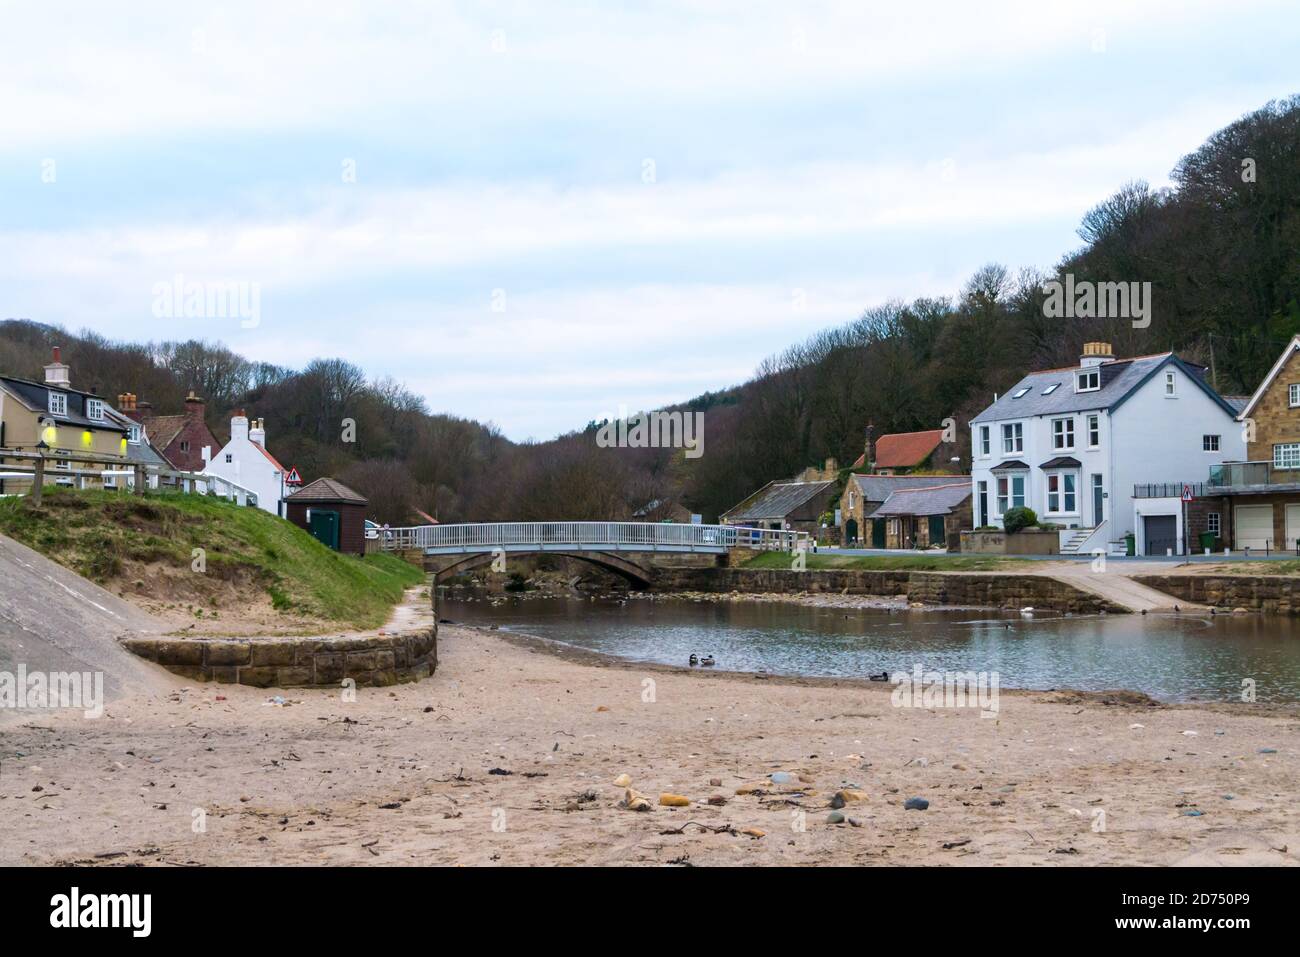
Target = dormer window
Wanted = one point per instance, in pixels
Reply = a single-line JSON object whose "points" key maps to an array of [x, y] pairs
{"points": [[58, 403], [95, 410], [133, 435], [1088, 380]]}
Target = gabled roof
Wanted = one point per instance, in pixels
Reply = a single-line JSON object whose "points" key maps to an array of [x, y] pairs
{"points": [[326, 490], [1119, 380], [938, 500], [35, 397], [906, 449], [1291, 347], [165, 428], [878, 488], [776, 500]]}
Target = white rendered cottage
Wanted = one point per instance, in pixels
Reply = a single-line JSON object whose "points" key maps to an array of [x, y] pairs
{"points": [[1072, 444], [245, 461]]}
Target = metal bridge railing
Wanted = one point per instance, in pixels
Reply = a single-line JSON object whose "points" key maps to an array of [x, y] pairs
{"points": [[637, 536]]}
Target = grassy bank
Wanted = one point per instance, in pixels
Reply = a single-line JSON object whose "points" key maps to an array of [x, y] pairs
{"points": [[914, 563], [135, 542]]}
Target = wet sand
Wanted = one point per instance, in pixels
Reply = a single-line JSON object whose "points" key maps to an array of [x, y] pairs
{"points": [[214, 774]]}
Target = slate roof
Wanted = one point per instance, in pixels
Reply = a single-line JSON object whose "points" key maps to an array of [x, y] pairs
{"points": [[878, 488], [326, 490], [776, 500], [1119, 379], [940, 500], [1010, 465], [142, 451], [1062, 462], [36, 397]]}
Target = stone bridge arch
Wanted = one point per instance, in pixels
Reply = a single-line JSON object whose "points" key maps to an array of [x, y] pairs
{"points": [[638, 576]]}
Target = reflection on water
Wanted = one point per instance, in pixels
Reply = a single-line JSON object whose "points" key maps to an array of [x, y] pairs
{"points": [[1173, 658]]}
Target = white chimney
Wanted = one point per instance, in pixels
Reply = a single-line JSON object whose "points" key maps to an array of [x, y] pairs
{"points": [[1095, 354], [238, 426], [56, 373], [258, 432]]}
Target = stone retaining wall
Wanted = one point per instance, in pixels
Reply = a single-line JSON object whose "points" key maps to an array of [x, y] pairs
{"points": [[932, 588], [1274, 594], [296, 662]]}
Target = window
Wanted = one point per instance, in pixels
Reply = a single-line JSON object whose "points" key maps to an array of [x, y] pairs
{"points": [[58, 403], [1063, 433], [1286, 456], [1171, 385], [1209, 443], [1051, 388], [185, 446], [1293, 395], [850, 494], [133, 434], [984, 440], [94, 409], [1089, 381], [1011, 492], [1013, 437], [1212, 523], [230, 458], [1094, 431], [1020, 392], [1062, 493]]}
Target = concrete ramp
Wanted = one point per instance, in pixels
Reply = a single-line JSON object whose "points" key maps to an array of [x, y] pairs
{"points": [[53, 620], [1122, 590]]}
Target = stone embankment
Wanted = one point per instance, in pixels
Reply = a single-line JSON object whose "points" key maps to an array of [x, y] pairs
{"points": [[1271, 594], [992, 590], [383, 659]]}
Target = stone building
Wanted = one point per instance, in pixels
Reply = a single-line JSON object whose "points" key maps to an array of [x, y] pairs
{"points": [[863, 494], [931, 517]]}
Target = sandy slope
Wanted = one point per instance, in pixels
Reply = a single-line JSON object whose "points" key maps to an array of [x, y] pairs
{"points": [[307, 783]]}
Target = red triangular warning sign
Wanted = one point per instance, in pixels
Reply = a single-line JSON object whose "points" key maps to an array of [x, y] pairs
{"points": [[293, 478]]}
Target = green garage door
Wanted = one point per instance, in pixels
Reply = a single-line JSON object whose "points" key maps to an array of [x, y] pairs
{"points": [[877, 533]]}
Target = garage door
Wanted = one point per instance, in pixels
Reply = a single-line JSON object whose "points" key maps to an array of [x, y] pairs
{"points": [[1253, 526], [1161, 534], [1292, 526]]}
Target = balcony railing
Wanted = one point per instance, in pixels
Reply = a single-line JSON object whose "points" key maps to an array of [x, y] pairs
{"points": [[1241, 474]]}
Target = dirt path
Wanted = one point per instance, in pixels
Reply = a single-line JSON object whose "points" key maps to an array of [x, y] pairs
{"points": [[405, 775]]}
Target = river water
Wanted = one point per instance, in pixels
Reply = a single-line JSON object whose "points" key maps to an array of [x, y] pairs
{"points": [[1171, 658]]}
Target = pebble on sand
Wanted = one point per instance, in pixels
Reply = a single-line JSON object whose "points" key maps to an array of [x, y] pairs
{"points": [[916, 804], [667, 799]]}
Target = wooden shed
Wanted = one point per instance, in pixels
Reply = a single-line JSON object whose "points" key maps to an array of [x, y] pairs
{"points": [[332, 513]]}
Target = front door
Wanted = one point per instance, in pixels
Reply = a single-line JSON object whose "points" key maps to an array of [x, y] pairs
{"points": [[851, 531], [878, 533], [1098, 502], [937, 536], [982, 506], [325, 527]]}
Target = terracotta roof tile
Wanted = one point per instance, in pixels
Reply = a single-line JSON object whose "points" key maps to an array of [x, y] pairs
{"points": [[906, 449]]}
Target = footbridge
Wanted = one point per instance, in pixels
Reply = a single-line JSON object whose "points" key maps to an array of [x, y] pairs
{"points": [[633, 550]]}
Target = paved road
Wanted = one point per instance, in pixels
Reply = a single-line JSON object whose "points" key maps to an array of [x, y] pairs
{"points": [[53, 620], [1163, 559]]}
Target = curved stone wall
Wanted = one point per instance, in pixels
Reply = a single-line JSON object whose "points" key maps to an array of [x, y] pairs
{"points": [[296, 662]]}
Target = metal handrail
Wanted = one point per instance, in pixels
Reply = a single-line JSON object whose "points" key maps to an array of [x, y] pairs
{"points": [[631, 535]]}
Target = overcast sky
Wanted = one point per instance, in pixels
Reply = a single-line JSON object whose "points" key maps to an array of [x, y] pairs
{"points": [[535, 213]]}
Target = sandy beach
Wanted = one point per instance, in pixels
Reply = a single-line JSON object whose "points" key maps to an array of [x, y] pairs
{"points": [[509, 754]]}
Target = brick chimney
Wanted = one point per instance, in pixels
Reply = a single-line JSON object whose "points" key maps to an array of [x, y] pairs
{"points": [[193, 407], [56, 373], [126, 404]]}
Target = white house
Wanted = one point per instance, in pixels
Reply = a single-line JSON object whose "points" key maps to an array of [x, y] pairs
{"points": [[245, 461], [1073, 443]]}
